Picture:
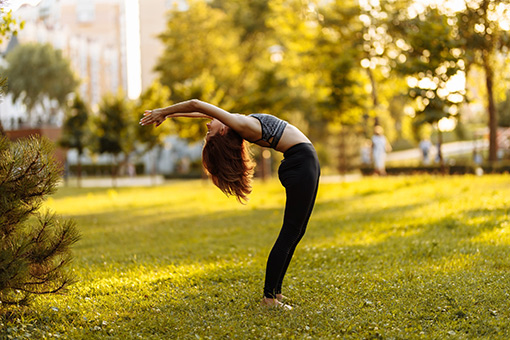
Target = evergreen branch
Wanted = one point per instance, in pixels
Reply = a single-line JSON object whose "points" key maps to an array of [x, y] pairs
{"points": [[62, 263], [22, 301], [21, 217], [7, 175], [64, 283], [33, 257], [38, 237], [27, 169]]}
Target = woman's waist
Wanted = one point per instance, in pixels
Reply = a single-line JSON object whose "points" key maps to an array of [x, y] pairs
{"points": [[303, 148], [291, 136]]}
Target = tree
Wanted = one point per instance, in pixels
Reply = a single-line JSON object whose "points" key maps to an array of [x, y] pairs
{"points": [[38, 72], [33, 254], [298, 59], [430, 58], [115, 126], [231, 44], [155, 96], [199, 60], [483, 37], [76, 129]]}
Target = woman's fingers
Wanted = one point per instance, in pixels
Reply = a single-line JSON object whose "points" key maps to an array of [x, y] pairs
{"points": [[151, 117], [147, 118]]}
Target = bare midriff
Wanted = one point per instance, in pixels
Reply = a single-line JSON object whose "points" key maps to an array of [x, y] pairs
{"points": [[290, 137]]}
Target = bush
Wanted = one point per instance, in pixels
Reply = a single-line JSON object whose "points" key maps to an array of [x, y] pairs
{"points": [[34, 247]]}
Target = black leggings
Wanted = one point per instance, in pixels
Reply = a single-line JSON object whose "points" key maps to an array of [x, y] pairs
{"points": [[299, 173]]}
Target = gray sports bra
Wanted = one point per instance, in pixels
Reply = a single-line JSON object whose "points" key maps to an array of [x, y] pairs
{"points": [[272, 128]]}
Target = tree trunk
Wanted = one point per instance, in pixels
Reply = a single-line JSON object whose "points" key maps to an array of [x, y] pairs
{"points": [[493, 119], [2, 131], [115, 169], [375, 97], [78, 170], [440, 151]]}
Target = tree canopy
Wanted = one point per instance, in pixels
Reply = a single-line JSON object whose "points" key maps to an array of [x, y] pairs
{"points": [[333, 63], [37, 72]]}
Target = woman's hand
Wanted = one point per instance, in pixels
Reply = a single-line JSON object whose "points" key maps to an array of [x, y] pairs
{"points": [[156, 116]]}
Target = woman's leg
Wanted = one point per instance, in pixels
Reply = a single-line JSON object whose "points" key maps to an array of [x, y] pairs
{"points": [[300, 179], [293, 248]]}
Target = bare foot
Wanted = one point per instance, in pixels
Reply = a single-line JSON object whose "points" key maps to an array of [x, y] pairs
{"points": [[274, 303]]}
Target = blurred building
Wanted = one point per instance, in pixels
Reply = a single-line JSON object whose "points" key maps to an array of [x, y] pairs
{"points": [[153, 20], [97, 37], [94, 35], [91, 34]]}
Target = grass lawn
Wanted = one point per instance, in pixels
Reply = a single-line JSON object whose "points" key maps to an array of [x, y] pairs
{"points": [[383, 258]]}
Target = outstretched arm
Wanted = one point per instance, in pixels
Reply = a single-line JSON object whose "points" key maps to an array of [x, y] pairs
{"points": [[196, 109], [158, 116]]}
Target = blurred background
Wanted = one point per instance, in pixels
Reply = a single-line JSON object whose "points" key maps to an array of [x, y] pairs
{"points": [[430, 78]]}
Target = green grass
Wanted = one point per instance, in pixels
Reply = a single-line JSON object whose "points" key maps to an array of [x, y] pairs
{"points": [[383, 258]]}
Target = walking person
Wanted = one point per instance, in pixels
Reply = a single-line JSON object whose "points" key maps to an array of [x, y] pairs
{"points": [[425, 146], [226, 159], [380, 147]]}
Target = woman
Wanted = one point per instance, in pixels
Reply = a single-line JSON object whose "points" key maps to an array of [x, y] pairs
{"points": [[380, 147], [227, 161]]}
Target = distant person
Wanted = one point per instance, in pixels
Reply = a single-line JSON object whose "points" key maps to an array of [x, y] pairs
{"points": [[380, 147], [226, 158], [425, 146], [365, 152], [477, 157]]}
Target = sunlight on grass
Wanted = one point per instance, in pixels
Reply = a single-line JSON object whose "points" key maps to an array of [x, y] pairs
{"points": [[399, 257], [498, 236], [184, 197]]}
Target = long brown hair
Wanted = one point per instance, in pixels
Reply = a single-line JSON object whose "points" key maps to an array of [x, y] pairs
{"points": [[228, 162]]}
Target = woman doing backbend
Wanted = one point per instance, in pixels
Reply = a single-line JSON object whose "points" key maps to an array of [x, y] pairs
{"points": [[228, 163]]}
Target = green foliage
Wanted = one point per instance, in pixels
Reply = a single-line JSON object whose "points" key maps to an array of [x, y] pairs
{"points": [[114, 125], [36, 71], [297, 59], [399, 257], [340, 51], [480, 31], [432, 57], [8, 24], [33, 254], [199, 60], [250, 16], [198, 40], [483, 39], [76, 127], [155, 96]]}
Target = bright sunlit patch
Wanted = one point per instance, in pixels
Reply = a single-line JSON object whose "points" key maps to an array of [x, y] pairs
{"points": [[503, 16], [408, 110], [457, 82], [449, 6], [427, 83], [446, 124], [498, 236], [454, 263], [142, 276], [412, 81], [365, 63]]}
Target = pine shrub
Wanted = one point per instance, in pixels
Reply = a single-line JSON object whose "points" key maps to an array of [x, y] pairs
{"points": [[35, 247]]}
